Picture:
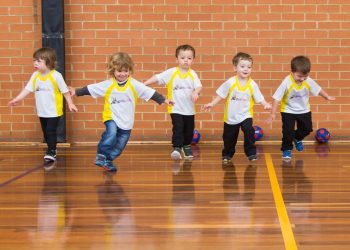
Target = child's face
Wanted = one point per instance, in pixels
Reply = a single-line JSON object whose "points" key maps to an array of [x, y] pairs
{"points": [[185, 59], [40, 64], [122, 74], [243, 69], [299, 77]]}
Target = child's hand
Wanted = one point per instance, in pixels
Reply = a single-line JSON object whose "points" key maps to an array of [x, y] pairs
{"points": [[330, 98], [72, 108], [271, 118], [267, 105], [13, 102], [71, 91], [195, 96], [169, 102], [207, 107]]}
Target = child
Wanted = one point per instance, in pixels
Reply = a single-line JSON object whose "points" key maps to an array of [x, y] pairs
{"points": [[183, 87], [240, 92], [48, 86], [120, 93], [294, 93]]}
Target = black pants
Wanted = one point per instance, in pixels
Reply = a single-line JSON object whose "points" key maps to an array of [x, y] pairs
{"points": [[289, 133], [183, 126], [230, 137], [49, 127]]}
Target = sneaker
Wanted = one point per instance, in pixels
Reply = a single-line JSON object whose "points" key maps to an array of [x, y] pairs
{"points": [[50, 155], [252, 157], [226, 159], [299, 145], [176, 154], [287, 154], [100, 160], [187, 152], [109, 166]]}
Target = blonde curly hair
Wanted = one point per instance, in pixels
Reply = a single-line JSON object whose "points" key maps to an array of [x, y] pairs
{"points": [[119, 61]]}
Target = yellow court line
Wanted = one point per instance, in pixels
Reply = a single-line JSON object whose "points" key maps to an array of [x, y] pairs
{"points": [[287, 232]]}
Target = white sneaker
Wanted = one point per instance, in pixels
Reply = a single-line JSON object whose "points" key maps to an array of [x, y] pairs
{"points": [[176, 154]]}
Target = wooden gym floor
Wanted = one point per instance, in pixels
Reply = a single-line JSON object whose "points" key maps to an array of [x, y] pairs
{"points": [[153, 202]]}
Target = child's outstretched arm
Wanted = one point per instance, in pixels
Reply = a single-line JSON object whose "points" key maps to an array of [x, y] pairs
{"points": [[326, 96], [19, 97], [273, 111], [210, 105], [79, 92], [158, 98], [70, 103], [195, 94], [152, 80]]}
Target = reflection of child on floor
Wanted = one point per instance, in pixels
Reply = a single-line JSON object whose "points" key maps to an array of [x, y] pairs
{"points": [[119, 225]]}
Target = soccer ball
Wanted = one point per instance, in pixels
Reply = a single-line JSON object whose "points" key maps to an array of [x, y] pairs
{"points": [[258, 133], [322, 135], [196, 137]]}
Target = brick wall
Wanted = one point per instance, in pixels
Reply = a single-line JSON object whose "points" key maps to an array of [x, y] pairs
{"points": [[20, 33], [272, 31]]}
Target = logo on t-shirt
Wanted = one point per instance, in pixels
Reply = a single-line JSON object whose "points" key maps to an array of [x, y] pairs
{"points": [[180, 87], [115, 100], [240, 98], [42, 88], [298, 95]]}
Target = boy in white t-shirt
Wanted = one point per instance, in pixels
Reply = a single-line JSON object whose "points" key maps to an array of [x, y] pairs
{"points": [[240, 92], [293, 93], [48, 85], [120, 92], [183, 87]]}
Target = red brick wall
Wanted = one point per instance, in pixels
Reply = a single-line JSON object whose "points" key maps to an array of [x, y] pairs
{"points": [[20, 33], [271, 31]]}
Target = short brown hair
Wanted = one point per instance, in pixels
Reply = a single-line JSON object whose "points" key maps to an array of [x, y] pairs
{"points": [[48, 55], [301, 64], [119, 61], [241, 56], [185, 47]]}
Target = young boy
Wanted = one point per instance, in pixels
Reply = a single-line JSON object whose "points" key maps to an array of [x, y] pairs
{"points": [[240, 92], [294, 93], [183, 87], [120, 93], [48, 85]]}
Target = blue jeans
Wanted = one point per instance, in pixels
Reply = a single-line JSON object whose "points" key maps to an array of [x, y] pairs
{"points": [[113, 140]]}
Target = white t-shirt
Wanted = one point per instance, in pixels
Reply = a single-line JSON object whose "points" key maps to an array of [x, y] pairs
{"points": [[239, 100], [48, 93], [180, 88], [295, 98], [120, 101]]}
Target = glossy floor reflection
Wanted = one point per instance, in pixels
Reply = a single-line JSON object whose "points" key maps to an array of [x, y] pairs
{"points": [[153, 202]]}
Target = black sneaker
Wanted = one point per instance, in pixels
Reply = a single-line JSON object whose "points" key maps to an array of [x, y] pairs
{"points": [[187, 152], [50, 155], [252, 157], [176, 154], [226, 159]]}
